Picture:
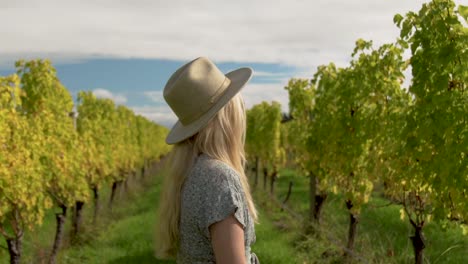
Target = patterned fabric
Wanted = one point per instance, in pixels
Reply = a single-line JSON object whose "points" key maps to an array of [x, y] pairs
{"points": [[211, 192], [254, 259]]}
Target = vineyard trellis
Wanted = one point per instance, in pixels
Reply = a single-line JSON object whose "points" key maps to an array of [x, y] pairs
{"points": [[356, 127], [50, 160]]}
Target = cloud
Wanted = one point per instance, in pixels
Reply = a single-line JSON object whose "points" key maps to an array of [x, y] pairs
{"points": [[255, 93], [103, 93], [7, 60], [155, 96], [298, 33], [160, 114], [264, 76]]}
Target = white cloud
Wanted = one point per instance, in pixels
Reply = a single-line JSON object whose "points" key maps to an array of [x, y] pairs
{"points": [[103, 93], [254, 93], [155, 96], [161, 114], [266, 74], [298, 33], [271, 76]]}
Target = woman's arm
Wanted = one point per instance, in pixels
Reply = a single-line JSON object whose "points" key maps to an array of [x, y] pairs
{"points": [[227, 239]]}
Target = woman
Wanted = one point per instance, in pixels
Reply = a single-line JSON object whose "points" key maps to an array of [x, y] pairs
{"points": [[206, 212]]}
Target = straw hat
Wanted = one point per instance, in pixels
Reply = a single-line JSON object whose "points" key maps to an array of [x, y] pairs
{"points": [[197, 91]]}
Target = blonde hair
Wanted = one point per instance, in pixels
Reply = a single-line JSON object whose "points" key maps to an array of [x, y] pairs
{"points": [[222, 138]]}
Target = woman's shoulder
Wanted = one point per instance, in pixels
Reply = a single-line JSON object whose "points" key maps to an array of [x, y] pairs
{"points": [[214, 172]]}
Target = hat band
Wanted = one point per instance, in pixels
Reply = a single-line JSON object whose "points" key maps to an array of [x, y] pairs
{"points": [[205, 107]]}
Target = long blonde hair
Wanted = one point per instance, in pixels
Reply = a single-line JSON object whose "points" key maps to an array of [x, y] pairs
{"points": [[223, 139]]}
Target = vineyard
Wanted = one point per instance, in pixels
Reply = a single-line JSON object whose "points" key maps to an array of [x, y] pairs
{"points": [[355, 129], [357, 144], [52, 158]]}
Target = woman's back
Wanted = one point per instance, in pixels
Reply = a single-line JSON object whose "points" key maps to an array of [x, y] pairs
{"points": [[207, 212], [211, 192]]}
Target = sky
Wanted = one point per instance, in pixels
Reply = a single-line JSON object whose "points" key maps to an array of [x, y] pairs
{"points": [[126, 50]]}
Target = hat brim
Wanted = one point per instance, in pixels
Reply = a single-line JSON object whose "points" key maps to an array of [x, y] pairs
{"points": [[238, 79]]}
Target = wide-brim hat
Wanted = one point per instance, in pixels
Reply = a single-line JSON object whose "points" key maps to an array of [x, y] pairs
{"points": [[197, 91]]}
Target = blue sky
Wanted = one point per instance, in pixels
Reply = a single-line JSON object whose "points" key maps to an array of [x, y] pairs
{"points": [[132, 78], [138, 83], [126, 50]]}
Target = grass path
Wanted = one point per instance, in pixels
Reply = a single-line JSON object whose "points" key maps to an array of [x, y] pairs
{"points": [[130, 238], [382, 236], [126, 234]]}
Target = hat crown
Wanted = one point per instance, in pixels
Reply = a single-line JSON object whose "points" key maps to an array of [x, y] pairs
{"points": [[194, 88]]}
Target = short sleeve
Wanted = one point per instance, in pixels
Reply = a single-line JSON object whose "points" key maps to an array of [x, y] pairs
{"points": [[222, 198]]}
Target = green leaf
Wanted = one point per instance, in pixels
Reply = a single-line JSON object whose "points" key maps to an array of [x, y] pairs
{"points": [[463, 11], [397, 19]]}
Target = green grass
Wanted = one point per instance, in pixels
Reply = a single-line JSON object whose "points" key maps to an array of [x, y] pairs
{"points": [[275, 242], [126, 239], [130, 239], [121, 236], [37, 243], [382, 236], [126, 234]]}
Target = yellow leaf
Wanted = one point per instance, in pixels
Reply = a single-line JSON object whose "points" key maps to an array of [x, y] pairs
{"points": [[464, 229], [402, 214]]}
